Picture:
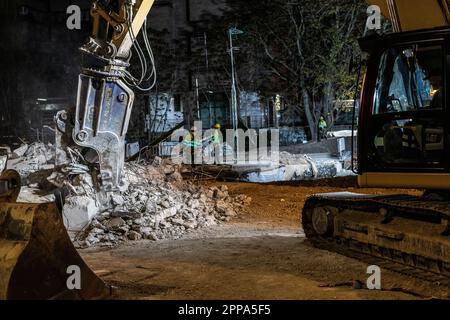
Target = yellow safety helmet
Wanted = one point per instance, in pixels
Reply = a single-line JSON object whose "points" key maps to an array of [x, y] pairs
{"points": [[217, 126], [193, 129]]}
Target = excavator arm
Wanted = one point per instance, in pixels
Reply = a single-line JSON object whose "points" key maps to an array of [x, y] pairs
{"points": [[36, 253], [112, 36], [105, 90]]}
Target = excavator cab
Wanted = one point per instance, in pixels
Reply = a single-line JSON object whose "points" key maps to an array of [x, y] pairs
{"points": [[404, 116]]}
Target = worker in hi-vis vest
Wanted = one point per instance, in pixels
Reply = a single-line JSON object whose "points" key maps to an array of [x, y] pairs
{"points": [[192, 141]]}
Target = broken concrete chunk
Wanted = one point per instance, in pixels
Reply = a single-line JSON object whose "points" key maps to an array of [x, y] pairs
{"points": [[167, 213], [139, 221], [145, 231], [134, 236], [152, 236], [19, 152], [91, 240], [165, 204], [193, 204], [115, 223], [219, 194], [108, 237], [169, 170], [117, 200], [78, 212], [157, 162], [97, 231], [221, 206], [177, 222], [190, 225], [126, 215], [210, 193]]}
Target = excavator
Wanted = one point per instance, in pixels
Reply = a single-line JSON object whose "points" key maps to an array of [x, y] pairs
{"points": [[403, 142], [37, 258]]}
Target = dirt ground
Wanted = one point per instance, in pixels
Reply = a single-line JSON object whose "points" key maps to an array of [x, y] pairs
{"points": [[262, 254], [281, 204]]}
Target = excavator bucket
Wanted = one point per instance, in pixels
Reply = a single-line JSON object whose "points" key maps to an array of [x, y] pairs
{"points": [[37, 257]]}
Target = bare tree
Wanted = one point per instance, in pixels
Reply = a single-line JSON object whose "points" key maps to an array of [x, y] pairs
{"points": [[301, 49]]}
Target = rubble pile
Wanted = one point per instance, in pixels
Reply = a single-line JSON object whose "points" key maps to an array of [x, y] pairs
{"points": [[154, 203], [32, 158]]}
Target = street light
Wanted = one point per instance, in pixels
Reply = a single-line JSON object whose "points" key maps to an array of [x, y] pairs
{"points": [[234, 113]]}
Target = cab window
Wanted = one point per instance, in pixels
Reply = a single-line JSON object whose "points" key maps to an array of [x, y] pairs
{"points": [[407, 128], [409, 79]]}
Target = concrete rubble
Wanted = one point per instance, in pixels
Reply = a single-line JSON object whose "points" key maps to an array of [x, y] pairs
{"points": [[154, 203], [298, 167], [29, 159]]}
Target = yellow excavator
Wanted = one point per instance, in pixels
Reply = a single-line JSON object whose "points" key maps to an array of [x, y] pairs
{"points": [[403, 142], [37, 258]]}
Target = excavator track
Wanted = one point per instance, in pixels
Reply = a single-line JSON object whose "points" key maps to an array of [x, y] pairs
{"points": [[406, 234]]}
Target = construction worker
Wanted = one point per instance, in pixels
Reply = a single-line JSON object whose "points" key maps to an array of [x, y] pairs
{"points": [[192, 142], [323, 126], [436, 92], [215, 138], [215, 143]]}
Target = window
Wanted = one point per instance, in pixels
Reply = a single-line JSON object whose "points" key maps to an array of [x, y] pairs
{"points": [[411, 141], [407, 129], [410, 79], [177, 103]]}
